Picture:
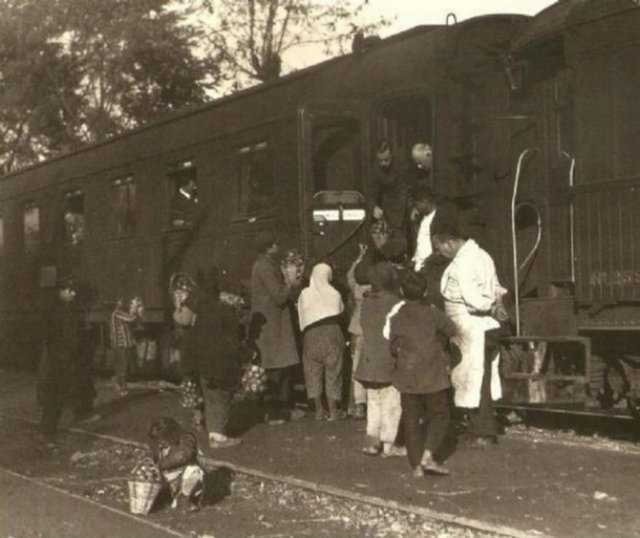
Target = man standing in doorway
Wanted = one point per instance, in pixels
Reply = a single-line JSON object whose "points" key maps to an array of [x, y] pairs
{"points": [[391, 202]]}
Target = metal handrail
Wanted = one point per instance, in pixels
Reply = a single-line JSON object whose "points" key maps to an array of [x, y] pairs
{"points": [[572, 239], [536, 244], [516, 183]]}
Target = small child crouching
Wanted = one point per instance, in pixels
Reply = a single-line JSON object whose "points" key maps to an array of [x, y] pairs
{"points": [[175, 452], [417, 332]]}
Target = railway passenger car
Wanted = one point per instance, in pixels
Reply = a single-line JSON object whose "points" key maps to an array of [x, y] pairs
{"points": [[268, 157], [532, 121]]}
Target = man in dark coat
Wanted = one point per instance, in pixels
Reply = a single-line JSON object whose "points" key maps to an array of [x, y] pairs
{"points": [[212, 352], [65, 373], [271, 327], [184, 206], [392, 202]]}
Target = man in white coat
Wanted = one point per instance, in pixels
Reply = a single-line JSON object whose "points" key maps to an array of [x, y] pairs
{"points": [[473, 301]]}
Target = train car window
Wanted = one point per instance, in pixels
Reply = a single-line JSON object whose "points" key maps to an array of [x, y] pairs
{"points": [[336, 156], [73, 216], [403, 122], [123, 203], [256, 185], [31, 223], [625, 74], [564, 108], [183, 185]]}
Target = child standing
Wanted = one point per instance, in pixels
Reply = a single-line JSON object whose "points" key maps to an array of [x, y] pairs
{"points": [[421, 374], [122, 341], [358, 394], [319, 309], [375, 367]]}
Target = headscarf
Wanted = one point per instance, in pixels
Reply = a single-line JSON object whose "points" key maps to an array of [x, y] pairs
{"points": [[320, 299]]}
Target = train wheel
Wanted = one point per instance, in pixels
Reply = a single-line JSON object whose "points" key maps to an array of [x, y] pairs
{"points": [[608, 383], [616, 383], [633, 405]]}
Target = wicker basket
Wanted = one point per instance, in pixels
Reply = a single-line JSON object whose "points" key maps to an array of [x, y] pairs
{"points": [[142, 495]]}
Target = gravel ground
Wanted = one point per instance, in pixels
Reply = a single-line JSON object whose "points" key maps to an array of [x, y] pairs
{"points": [[245, 506]]}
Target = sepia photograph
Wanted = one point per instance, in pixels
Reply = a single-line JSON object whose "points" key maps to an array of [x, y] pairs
{"points": [[319, 268]]}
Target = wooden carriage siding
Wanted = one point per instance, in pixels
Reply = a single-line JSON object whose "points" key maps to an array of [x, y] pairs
{"points": [[488, 88]]}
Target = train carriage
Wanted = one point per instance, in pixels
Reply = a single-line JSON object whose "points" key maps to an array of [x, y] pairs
{"points": [[293, 155], [532, 121]]}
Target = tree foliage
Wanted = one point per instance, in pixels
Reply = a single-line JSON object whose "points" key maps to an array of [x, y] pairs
{"points": [[78, 71], [252, 36]]}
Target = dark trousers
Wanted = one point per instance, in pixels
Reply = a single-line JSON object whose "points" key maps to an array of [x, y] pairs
{"points": [[422, 412], [279, 391], [217, 407], [482, 421], [55, 394], [121, 365]]}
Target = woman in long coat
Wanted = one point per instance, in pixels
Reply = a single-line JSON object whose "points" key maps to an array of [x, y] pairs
{"points": [[271, 326]]}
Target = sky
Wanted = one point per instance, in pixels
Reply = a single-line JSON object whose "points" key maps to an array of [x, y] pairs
{"points": [[405, 14]]}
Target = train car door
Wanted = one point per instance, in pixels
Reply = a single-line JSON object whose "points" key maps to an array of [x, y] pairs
{"points": [[332, 203]]}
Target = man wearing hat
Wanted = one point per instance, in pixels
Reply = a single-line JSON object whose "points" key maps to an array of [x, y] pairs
{"points": [[271, 327], [64, 374]]}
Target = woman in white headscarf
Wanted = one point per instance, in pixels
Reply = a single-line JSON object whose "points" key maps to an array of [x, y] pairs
{"points": [[319, 309]]}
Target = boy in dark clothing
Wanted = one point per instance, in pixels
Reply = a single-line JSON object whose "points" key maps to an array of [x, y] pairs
{"points": [[421, 373], [64, 373]]}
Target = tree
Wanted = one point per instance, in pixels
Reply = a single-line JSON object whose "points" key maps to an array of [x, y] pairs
{"points": [[79, 71], [252, 36], [32, 122]]}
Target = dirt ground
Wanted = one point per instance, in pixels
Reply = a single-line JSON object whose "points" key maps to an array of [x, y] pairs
{"points": [[536, 482], [238, 504]]}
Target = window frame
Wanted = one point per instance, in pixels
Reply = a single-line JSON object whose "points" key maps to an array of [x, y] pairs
{"points": [[72, 193], [3, 237], [37, 243], [124, 225], [402, 155], [175, 170], [242, 202]]}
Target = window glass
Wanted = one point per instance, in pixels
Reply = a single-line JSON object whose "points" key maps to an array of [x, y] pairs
{"points": [[255, 179], [124, 205], [403, 122], [74, 221], [336, 156], [625, 74], [183, 180], [31, 221]]}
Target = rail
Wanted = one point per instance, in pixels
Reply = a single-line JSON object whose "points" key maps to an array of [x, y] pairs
{"points": [[514, 195], [572, 239]]}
